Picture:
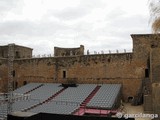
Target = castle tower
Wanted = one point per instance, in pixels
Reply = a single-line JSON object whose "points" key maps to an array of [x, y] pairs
{"points": [[147, 50]]}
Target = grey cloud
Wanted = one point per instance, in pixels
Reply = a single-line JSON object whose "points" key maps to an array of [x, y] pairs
{"points": [[83, 9], [114, 14], [130, 22], [91, 4], [118, 19], [8, 5], [71, 13], [83, 27], [30, 28], [113, 44], [123, 25]]}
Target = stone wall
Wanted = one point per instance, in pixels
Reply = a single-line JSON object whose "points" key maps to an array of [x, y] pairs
{"points": [[97, 69], [3, 75], [148, 47], [3, 51], [142, 45], [34, 70], [155, 78]]}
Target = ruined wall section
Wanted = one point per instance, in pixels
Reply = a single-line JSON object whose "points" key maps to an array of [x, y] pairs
{"points": [[19, 52], [68, 51], [22, 52], [4, 51]]}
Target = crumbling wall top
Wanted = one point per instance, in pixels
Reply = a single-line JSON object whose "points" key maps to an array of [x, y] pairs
{"points": [[58, 51]]}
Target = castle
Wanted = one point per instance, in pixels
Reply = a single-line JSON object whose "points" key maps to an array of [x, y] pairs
{"points": [[137, 71]]}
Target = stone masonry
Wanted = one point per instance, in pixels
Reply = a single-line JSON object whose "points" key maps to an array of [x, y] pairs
{"points": [[137, 71]]}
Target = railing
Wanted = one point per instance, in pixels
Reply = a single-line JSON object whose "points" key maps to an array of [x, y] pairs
{"points": [[108, 51], [89, 53], [43, 56], [16, 97]]}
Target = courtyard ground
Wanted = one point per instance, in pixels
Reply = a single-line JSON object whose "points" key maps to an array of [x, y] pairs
{"points": [[136, 110]]}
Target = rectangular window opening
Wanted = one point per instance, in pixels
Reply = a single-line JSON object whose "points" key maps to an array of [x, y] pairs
{"points": [[64, 74], [13, 73], [146, 73]]}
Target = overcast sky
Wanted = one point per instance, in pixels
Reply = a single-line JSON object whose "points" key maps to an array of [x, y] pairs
{"points": [[96, 24]]}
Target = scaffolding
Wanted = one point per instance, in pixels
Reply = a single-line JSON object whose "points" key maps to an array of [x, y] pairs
{"points": [[10, 77]]}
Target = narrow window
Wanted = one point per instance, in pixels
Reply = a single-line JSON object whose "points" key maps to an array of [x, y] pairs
{"points": [[17, 54], [146, 73], [64, 74], [13, 73]]}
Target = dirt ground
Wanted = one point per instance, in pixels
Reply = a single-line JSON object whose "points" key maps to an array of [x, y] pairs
{"points": [[137, 111]]}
